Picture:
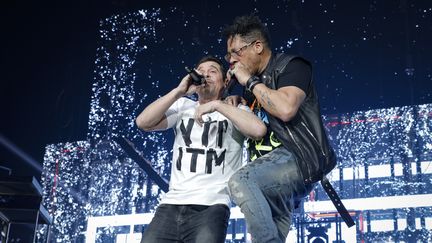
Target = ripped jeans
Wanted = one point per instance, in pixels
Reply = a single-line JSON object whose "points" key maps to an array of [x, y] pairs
{"points": [[266, 190]]}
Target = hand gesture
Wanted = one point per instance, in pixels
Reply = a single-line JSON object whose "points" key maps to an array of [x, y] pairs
{"points": [[201, 110]]}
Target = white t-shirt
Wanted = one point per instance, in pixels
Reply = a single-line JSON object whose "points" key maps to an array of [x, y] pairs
{"points": [[204, 157]]}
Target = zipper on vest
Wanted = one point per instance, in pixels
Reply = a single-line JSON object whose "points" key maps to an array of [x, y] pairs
{"points": [[298, 146], [316, 140]]}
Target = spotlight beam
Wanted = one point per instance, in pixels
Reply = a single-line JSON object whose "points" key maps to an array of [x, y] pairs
{"points": [[20, 153]]}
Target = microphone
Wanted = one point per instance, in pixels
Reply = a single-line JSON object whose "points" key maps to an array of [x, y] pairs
{"points": [[197, 79], [229, 87], [233, 80]]}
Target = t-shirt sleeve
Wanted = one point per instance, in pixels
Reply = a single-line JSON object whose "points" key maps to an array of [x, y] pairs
{"points": [[298, 72], [172, 113]]}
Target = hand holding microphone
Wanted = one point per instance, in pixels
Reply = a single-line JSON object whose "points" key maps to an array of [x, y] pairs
{"points": [[239, 72], [197, 79], [233, 98]]}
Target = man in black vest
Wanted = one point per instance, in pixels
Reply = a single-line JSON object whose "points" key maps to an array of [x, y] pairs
{"points": [[295, 153]]}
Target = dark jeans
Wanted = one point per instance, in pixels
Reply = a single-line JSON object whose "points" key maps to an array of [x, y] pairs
{"points": [[266, 190], [188, 224]]}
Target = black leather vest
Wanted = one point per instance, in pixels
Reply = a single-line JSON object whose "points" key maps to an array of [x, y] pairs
{"points": [[304, 135]]}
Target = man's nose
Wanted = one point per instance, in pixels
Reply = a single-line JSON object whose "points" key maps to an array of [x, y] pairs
{"points": [[205, 74]]}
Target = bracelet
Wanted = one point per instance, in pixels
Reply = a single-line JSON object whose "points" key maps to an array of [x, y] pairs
{"points": [[252, 82]]}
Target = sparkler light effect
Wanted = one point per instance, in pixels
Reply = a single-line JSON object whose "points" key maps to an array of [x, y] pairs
{"points": [[142, 55]]}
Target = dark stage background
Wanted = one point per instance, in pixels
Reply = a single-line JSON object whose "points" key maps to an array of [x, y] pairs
{"points": [[367, 54]]}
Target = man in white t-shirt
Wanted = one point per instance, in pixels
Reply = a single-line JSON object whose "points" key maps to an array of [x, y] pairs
{"points": [[207, 150]]}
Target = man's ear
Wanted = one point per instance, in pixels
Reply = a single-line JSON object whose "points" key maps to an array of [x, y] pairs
{"points": [[259, 47]]}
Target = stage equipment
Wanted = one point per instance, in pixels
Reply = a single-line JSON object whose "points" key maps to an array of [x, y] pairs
{"points": [[20, 203]]}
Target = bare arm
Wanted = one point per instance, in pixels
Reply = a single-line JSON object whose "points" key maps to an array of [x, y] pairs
{"points": [[282, 103], [153, 118], [246, 122]]}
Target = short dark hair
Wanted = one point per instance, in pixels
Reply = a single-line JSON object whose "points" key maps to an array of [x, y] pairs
{"points": [[216, 60], [249, 28]]}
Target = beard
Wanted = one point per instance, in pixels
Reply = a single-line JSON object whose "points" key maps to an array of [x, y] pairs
{"points": [[208, 92]]}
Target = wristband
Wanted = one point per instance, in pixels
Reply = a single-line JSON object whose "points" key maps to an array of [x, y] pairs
{"points": [[252, 82]]}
